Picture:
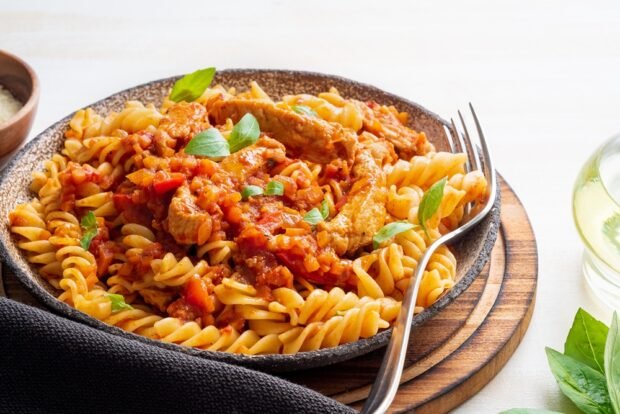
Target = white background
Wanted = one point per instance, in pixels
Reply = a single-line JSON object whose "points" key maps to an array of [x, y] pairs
{"points": [[543, 75]]}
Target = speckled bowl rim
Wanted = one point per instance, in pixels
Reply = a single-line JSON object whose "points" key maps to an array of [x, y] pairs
{"points": [[272, 362]]}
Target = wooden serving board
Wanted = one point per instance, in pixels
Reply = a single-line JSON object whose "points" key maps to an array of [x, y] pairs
{"points": [[453, 355]]}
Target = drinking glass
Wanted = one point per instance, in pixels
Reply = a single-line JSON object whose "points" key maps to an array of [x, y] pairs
{"points": [[596, 210]]}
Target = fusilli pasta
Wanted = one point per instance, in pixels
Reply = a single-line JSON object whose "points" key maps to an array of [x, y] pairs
{"points": [[267, 246]]}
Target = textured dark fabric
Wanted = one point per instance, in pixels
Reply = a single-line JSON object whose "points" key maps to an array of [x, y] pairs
{"points": [[52, 365]]}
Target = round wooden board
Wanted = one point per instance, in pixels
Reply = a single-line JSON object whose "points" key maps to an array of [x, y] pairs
{"points": [[453, 355]]}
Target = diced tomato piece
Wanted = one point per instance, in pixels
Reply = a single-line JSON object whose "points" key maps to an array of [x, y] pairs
{"points": [[162, 184], [341, 202], [197, 294], [122, 201]]}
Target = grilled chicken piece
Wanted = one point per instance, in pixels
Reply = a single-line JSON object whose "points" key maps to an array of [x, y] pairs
{"points": [[249, 160], [304, 136], [380, 149], [363, 214], [383, 121], [184, 120], [187, 222]]}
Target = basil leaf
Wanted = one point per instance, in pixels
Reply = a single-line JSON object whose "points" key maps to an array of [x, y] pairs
{"points": [[89, 225], [118, 302], [584, 386], [430, 203], [274, 188], [250, 191], [528, 411], [245, 133], [87, 238], [209, 143], [89, 221], [324, 209], [304, 110], [612, 363], [313, 217], [586, 341], [191, 86], [388, 231]]}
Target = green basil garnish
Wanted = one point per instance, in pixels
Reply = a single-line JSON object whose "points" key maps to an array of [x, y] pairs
{"points": [[313, 217], [430, 203], [209, 143], [190, 87], [274, 188], [89, 225], [245, 133], [304, 110], [250, 191], [324, 209], [389, 231], [118, 302]]}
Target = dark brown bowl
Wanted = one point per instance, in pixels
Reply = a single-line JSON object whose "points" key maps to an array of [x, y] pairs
{"points": [[472, 252], [19, 78]]}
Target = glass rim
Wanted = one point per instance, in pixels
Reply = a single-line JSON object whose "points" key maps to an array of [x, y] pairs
{"points": [[601, 153]]}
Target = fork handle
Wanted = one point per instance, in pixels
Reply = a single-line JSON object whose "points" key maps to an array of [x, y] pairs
{"points": [[387, 381]]}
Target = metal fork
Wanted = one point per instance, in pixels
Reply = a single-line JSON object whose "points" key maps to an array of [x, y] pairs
{"points": [[388, 378]]}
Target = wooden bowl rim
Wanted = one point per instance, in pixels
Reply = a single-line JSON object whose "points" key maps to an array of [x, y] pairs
{"points": [[33, 98]]}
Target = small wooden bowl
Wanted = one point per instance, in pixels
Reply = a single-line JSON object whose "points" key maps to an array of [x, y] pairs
{"points": [[19, 78]]}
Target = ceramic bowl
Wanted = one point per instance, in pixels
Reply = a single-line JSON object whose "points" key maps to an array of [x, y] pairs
{"points": [[472, 252]]}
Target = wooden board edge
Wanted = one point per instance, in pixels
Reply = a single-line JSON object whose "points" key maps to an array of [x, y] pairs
{"points": [[472, 385]]}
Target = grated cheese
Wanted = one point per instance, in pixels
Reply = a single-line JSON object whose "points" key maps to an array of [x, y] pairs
{"points": [[8, 105]]}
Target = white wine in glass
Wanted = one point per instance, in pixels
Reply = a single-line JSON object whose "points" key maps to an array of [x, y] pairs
{"points": [[596, 209]]}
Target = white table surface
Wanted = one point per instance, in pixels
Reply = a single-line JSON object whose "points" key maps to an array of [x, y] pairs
{"points": [[544, 76]]}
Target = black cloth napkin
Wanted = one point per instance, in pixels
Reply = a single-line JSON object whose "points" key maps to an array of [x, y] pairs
{"points": [[49, 364]]}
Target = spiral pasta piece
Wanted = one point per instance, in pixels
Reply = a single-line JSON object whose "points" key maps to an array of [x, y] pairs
{"points": [[424, 171], [78, 272], [210, 338], [218, 251], [331, 107], [84, 123], [355, 323], [172, 272]]}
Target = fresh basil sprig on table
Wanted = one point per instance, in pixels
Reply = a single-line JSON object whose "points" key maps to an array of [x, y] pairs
{"points": [[245, 133], [251, 191], [304, 110], [191, 86], [430, 203], [586, 341], [588, 372], [584, 386], [612, 363], [89, 225], [118, 302], [274, 188], [389, 231], [209, 143]]}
